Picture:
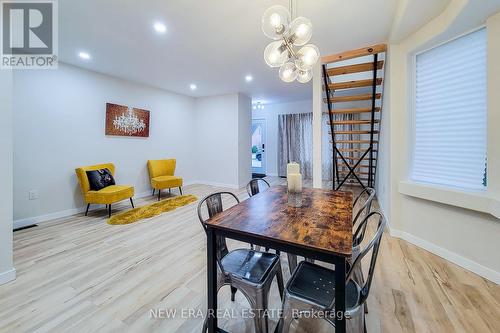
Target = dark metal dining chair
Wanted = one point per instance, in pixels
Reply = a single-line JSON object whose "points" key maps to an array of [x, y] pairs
{"points": [[365, 207], [253, 186], [364, 210], [312, 287], [247, 270]]}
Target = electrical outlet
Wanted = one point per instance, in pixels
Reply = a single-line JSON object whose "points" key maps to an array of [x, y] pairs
{"points": [[33, 195]]}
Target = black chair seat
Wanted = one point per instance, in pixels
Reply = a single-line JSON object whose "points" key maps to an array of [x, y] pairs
{"points": [[248, 264], [317, 284]]}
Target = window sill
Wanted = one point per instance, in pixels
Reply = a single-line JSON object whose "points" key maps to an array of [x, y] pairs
{"points": [[477, 201]]}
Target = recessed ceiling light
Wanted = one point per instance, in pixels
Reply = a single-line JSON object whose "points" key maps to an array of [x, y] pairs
{"points": [[84, 55], [192, 86], [249, 78], [160, 27]]}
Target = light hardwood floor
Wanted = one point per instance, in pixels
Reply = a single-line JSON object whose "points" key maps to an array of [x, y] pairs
{"points": [[79, 274]]}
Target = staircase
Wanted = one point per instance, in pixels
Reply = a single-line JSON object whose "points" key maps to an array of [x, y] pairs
{"points": [[353, 85]]}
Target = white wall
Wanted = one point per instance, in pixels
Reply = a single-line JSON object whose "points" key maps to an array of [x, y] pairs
{"points": [[7, 272], [244, 139], [223, 144], [59, 123], [270, 114], [465, 237]]}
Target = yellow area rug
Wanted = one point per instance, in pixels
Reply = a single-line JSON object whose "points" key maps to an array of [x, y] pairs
{"points": [[152, 210]]}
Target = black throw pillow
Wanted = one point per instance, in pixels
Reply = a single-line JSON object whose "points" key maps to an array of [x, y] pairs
{"points": [[99, 179]]}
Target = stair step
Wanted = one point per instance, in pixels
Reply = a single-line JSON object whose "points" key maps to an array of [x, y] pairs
{"points": [[354, 150], [354, 110], [353, 84], [358, 68], [354, 122], [352, 166], [353, 132], [366, 158], [355, 141], [353, 98], [357, 172], [379, 48]]}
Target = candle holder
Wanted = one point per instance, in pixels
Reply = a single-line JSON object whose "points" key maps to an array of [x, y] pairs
{"points": [[294, 198]]}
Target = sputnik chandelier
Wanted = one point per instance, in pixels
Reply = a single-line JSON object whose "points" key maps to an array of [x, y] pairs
{"points": [[294, 64], [129, 123]]}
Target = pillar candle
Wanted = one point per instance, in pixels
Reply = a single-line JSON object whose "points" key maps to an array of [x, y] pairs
{"points": [[292, 168], [294, 182]]}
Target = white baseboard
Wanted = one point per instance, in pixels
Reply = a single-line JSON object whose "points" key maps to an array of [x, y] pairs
{"points": [[7, 276], [64, 213], [216, 184], [457, 259]]}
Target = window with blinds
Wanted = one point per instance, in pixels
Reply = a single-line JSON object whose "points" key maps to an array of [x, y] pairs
{"points": [[450, 114]]}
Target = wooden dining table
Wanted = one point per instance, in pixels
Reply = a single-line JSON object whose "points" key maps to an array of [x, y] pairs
{"points": [[320, 229]]}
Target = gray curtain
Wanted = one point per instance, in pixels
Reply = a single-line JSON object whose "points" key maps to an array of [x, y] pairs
{"points": [[295, 142]]}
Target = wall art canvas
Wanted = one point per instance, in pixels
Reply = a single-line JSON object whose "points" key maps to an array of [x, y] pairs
{"points": [[126, 121]]}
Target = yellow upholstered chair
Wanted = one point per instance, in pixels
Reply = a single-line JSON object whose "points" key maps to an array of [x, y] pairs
{"points": [[107, 195], [161, 174]]}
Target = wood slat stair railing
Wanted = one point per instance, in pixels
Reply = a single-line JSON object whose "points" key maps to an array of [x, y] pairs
{"points": [[354, 128]]}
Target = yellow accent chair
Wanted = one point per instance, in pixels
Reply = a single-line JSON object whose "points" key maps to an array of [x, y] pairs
{"points": [[161, 174], [108, 195]]}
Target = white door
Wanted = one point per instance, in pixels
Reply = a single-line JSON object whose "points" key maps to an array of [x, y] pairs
{"points": [[259, 146]]}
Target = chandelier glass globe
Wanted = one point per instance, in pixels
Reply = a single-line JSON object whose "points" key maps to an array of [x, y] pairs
{"points": [[275, 22], [276, 54], [289, 36], [307, 56], [288, 72], [304, 76], [300, 31]]}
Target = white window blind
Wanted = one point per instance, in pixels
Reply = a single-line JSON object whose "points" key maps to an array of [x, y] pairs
{"points": [[450, 114]]}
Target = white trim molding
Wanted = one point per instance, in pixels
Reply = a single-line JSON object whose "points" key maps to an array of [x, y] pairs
{"points": [[479, 201], [7, 276], [453, 257]]}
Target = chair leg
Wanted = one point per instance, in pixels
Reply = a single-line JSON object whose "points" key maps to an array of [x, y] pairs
{"points": [[233, 293], [109, 210], [159, 194], [286, 320], [180, 189], [260, 319], [279, 277], [87, 210], [132, 202], [292, 262]]}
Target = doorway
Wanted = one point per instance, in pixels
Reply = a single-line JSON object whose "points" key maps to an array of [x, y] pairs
{"points": [[258, 147]]}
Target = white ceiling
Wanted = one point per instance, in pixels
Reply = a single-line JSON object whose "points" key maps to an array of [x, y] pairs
{"points": [[214, 44]]}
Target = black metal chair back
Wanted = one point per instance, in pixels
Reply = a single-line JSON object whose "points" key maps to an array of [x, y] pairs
{"points": [[364, 210], [373, 247], [253, 186], [214, 206]]}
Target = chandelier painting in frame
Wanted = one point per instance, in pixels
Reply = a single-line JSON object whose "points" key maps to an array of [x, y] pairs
{"points": [[126, 121]]}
